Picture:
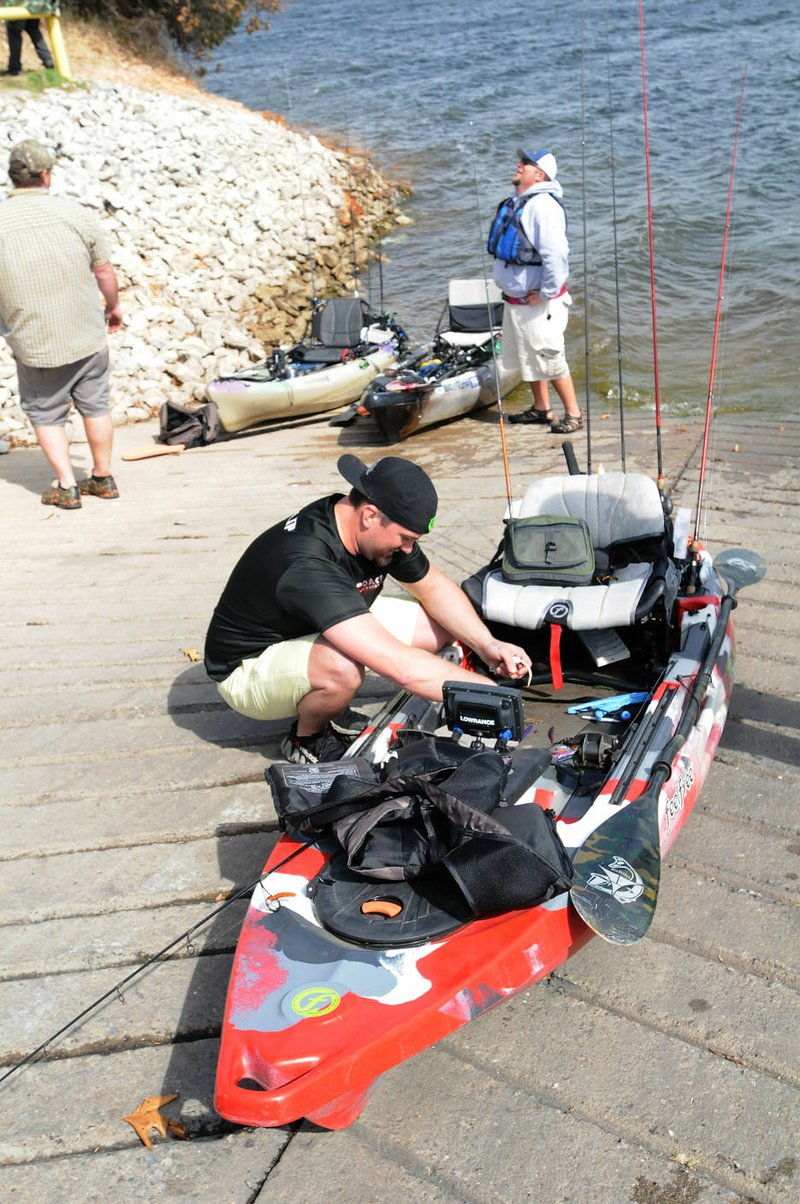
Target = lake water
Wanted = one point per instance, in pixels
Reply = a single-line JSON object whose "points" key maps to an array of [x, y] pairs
{"points": [[443, 94]]}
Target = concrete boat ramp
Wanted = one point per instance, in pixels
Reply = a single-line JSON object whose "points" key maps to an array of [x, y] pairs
{"points": [[133, 802]]}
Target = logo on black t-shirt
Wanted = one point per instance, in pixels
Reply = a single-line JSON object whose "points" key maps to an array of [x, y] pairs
{"points": [[370, 584]]}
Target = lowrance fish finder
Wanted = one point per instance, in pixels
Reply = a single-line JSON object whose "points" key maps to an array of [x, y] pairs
{"points": [[489, 711]]}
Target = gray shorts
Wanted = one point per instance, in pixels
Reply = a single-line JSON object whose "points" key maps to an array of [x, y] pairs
{"points": [[45, 393]]}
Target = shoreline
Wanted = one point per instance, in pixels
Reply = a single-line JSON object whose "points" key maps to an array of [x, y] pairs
{"points": [[214, 214]]}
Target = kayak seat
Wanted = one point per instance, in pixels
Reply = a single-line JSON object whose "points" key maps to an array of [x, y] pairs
{"points": [[474, 313], [337, 328], [625, 518]]}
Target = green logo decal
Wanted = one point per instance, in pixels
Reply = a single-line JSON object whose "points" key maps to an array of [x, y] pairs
{"points": [[431, 524], [315, 1001]]}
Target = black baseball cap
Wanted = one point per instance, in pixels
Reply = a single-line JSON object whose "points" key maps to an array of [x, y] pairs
{"points": [[401, 490]]}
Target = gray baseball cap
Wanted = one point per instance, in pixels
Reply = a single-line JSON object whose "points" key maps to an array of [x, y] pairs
{"points": [[28, 160]]}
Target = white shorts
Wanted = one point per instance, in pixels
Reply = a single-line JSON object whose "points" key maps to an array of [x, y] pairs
{"points": [[533, 338], [271, 685]]}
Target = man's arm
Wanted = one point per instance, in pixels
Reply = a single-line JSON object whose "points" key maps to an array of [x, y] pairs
{"points": [[367, 642], [106, 279], [544, 223], [450, 607]]}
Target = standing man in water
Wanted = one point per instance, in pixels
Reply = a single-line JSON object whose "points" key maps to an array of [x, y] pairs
{"points": [[528, 239], [53, 267], [300, 617]]}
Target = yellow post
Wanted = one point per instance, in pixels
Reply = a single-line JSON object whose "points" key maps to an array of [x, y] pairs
{"points": [[60, 59], [57, 46]]}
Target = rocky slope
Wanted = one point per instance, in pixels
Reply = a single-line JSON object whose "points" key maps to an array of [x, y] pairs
{"points": [[213, 214]]}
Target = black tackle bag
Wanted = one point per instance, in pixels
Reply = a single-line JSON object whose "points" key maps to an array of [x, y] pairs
{"points": [[193, 426]]}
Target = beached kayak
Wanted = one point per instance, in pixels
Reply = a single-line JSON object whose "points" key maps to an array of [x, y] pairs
{"points": [[347, 349]]}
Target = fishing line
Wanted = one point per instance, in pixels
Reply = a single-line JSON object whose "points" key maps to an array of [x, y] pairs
{"points": [[351, 207], [303, 209], [656, 388], [116, 990], [495, 364], [718, 315], [616, 253]]}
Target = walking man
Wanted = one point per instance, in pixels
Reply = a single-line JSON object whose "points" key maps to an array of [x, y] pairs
{"points": [[53, 267], [528, 239], [301, 616]]}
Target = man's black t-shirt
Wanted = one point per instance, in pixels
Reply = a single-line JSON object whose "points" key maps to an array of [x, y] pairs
{"points": [[295, 579]]}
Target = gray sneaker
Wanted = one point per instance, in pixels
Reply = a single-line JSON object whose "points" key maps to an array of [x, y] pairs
{"points": [[308, 750]]}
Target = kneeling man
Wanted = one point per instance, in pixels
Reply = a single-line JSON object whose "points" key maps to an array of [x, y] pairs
{"points": [[301, 618]]}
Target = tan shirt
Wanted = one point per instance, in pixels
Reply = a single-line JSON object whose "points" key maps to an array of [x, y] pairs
{"points": [[51, 311]]}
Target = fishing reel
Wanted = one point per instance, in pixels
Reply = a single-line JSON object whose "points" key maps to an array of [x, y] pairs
{"points": [[588, 755]]}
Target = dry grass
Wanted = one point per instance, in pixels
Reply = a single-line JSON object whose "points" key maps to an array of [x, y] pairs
{"points": [[98, 52]]}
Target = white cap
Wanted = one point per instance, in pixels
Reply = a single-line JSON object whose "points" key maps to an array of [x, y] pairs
{"points": [[543, 158]]}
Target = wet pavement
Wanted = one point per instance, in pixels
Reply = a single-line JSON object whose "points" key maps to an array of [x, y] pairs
{"points": [[133, 802]]}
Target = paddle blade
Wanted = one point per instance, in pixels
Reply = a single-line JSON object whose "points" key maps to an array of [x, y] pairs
{"points": [[154, 449], [740, 567], [617, 873]]}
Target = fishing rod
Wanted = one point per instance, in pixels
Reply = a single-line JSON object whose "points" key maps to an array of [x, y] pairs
{"points": [[586, 341], [616, 255], [720, 293], [656, 389], [115, 992], [495, 362], [309, 249]]}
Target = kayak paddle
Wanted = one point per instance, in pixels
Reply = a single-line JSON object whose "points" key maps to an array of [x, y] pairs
{"points": [[618, 867]]}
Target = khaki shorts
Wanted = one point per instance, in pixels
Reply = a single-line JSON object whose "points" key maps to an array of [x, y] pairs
{"points": [[271, 685], [45, 393], [533, 338]]}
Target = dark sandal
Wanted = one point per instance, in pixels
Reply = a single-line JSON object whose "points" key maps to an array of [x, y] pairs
{"points": [[533, 417], [568, 424]]}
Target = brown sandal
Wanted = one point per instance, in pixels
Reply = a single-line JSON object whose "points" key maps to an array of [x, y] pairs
{"points": [[100, 486], [568, 424], [533, 417], [65, 497]]}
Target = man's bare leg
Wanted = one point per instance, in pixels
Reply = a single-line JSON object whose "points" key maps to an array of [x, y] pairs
{"points": [[55, 445], [335, 678], [100, 433], [566, 391]]}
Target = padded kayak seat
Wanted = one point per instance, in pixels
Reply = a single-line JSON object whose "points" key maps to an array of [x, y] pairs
{"points": [[337, 332], [625, 518], [471, 318]]}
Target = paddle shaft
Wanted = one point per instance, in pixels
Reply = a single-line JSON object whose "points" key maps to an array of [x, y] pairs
{"points": [[662, 768]]}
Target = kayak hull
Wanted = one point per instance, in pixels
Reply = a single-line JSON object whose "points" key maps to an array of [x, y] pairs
{"points": [[312, 1020], [401, 414], [248, 399]]}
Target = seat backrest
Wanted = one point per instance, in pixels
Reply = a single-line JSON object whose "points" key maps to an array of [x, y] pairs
{"points": [[339, 322], [619, 508], [468, 307]]}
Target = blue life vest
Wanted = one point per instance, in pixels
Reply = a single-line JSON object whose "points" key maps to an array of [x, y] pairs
{"points": [[507, 239]]}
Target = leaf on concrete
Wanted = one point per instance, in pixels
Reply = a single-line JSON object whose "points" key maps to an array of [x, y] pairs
{"points": [[147, 1118], [193, 654]]}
